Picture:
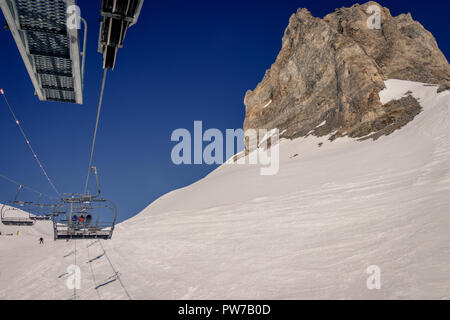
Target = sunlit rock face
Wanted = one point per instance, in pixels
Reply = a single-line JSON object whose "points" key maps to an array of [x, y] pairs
{"points": [[328, 74]]}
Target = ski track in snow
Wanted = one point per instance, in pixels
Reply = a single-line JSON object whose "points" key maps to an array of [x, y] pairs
{"points": [[309, 232]]}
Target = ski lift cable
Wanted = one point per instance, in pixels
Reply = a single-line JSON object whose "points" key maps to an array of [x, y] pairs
{"points": [[25, 187], [95, 130], [29, 143], [115, 272]]}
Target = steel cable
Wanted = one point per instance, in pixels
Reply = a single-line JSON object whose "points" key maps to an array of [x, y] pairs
{"points": [[95, 130], [29, 143]]}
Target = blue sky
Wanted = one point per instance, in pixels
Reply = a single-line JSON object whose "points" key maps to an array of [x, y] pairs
{"points": [[183, 61]]}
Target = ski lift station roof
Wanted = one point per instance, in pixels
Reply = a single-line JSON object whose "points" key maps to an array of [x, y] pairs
{"points": [[49, 49]]}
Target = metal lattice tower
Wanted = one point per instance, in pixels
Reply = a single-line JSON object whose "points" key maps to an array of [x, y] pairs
{"points": [[48, 48]]}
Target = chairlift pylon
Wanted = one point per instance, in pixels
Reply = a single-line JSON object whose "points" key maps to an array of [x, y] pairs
{"points": [[48, 209]]}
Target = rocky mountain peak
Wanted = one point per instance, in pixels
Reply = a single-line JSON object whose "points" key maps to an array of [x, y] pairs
{"points": [[328, 74]]}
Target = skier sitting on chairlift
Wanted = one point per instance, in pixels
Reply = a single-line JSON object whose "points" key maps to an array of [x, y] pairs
{"points": [[74, 218], [81, 218], [88, 219]]}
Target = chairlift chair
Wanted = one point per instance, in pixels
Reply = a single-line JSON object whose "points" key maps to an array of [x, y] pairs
{"points": [[102, 227], [39, 211], [10, 217], [102, 211], [9, 213], [42, 216]]}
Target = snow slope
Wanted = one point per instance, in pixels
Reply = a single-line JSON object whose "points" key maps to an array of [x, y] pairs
{"points": [[309, 232]]}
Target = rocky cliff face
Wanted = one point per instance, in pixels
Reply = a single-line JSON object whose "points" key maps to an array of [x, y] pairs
{"points": [[327, 77]]}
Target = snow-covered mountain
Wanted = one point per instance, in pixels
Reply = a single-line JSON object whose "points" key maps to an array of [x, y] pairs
{"points": [[332, 69], [309, 232]]}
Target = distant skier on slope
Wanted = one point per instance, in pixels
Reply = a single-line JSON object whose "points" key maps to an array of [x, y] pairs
{"points": [[41, 240]]}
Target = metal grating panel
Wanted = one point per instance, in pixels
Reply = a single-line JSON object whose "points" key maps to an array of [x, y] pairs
{"points": [[58, 95], [53, 65], [40, 43], [50, 51], [43, 15], [56, 81]]}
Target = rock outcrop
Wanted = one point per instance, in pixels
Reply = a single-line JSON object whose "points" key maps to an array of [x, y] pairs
{"points": [[327, 77]]}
